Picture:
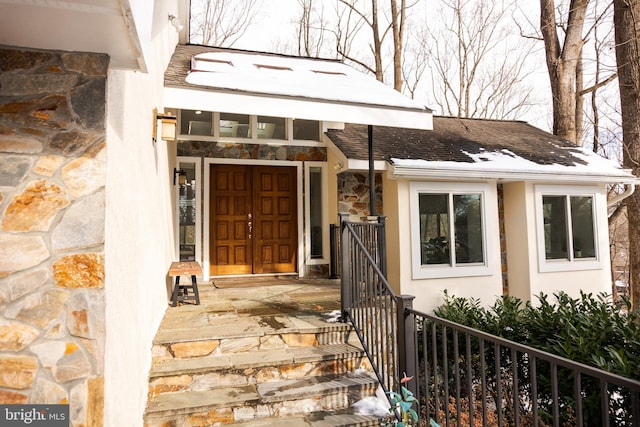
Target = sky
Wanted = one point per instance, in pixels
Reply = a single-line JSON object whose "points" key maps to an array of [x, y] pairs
{"points": [[274, 28]]}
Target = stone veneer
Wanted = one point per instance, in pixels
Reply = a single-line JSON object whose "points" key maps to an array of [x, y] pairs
{"points": [[353, 194], [52, 210]]}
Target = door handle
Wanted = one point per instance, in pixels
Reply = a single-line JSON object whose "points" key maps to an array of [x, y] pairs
{"points": [[250, 225]]}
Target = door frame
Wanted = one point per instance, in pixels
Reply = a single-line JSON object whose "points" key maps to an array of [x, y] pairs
{"points": [[249, 162]]}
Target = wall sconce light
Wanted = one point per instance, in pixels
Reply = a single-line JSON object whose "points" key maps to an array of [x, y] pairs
{"points": [[168, 123], [176, 24], [181, 175]]}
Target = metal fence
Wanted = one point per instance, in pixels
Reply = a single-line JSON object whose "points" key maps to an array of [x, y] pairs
{"points": [[463, 376], [467, 377], [367, 299]]}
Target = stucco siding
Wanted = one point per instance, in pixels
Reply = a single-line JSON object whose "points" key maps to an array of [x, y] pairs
{"points": [[520, 235], [429, 292], [139, 246]]}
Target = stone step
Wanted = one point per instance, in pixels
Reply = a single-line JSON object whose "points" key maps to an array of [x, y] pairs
{"points": [[226, 405], [316, 419], [192, 328], [254, 367]]}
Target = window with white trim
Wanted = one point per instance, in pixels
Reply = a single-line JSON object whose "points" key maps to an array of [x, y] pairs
{"points": [[567, 233], [449, 229], [316, 213]]}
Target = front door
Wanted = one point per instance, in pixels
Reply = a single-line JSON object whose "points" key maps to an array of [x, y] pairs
{"points": [[253, 223]]}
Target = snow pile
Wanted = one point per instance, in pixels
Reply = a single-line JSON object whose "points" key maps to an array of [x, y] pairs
{"points": [[333, 316], [377, 405]]}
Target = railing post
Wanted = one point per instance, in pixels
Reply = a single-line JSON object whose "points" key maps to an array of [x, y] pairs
{"points": [[407, 342], [333, 251], [345, 278], [382, 243]]}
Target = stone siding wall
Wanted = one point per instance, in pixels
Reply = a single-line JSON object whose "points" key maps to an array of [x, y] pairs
{"points": [[52, 210], [353, 194], [228, 150]]}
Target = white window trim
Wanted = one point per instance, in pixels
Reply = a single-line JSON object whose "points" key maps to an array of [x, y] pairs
{"points": [[551, 265], [253, 139], [325, 213], [420, 271], [197, 161]]}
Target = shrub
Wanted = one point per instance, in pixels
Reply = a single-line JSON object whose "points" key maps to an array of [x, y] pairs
{"points": [[590, 330]]}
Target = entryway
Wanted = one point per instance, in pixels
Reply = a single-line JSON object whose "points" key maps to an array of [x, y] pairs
{"points": [[253, 219]]}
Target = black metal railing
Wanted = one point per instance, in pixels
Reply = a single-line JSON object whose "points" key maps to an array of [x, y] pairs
{"points": [[463, 376], [369, 303], [466, 376], [372, 236]]}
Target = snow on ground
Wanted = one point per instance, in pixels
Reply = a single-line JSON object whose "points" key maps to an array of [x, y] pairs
{"points": [[377, 405]]}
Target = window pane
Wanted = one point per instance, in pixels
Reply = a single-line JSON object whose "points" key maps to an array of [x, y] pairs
{"points": [[235, 125], [306, 129], [315, 211], [434, 229], [554, 210], [194, 122], [582, 227], [187, 212], [271, 127], [468, 228]]}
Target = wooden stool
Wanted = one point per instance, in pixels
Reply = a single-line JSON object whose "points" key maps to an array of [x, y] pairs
{"points": [[181, 292]]}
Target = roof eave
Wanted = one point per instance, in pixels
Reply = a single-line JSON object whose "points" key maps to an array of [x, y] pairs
{"points": [[297, 107], [407, 172]]}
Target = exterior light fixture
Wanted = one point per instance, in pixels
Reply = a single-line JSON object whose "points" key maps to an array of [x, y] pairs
{"points": [[176, 24], [168, 123], [181, 175]]}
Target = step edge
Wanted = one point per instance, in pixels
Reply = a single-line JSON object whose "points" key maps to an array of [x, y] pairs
{"points": [[349, 351]]}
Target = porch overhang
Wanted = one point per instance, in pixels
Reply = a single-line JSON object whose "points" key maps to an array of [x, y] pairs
{"points": [[296, 108], [108, 26], [216, 79]]}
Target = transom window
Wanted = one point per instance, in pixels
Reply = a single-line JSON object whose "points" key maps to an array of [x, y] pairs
{"points": [[567, 237], [448, 229], [249, 128]]}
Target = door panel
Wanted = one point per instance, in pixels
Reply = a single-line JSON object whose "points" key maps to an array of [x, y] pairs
{"points": [[230, 203], [253, 219], [276, 219]]}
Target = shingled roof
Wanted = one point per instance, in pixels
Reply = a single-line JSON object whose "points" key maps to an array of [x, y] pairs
{"points": [[477, 145]]}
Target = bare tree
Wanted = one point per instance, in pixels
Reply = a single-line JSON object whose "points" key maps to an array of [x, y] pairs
{"points": [[564, 64], [627, 35], [311, 28], [222, 22], [355, 16], [476, 71]]}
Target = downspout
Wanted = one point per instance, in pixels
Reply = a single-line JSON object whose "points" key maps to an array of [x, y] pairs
{"points": [[372, 177], [629, 189]]}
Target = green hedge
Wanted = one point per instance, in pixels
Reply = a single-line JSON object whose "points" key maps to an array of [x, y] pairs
{"points": [[590, 329]]}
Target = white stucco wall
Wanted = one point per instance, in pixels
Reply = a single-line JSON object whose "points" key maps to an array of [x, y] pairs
{"points": [[526, 280], [139, 244], [519, 224], [429, 292]]}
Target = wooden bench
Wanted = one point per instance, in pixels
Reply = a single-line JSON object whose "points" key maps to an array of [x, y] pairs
{"points": [[188, 292]]}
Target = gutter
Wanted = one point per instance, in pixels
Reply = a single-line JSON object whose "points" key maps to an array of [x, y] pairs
{"points": [[411, 172], [629, 189]]}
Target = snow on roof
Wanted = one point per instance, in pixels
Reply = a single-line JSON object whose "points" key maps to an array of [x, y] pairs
{"points": [[481, 149], [505, 164], [278, 85], [298, 77]]}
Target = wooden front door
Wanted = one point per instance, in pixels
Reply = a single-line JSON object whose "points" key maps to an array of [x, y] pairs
{"points": [[253, 220]]}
